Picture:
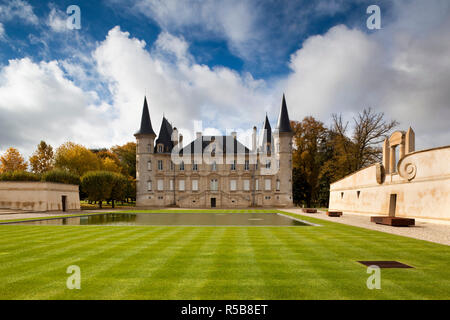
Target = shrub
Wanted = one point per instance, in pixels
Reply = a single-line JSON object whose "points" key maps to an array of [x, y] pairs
{"points": [[19, 176], [98, 185], [61, 176]]}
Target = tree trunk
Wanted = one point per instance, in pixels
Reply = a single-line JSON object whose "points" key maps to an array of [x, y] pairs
{"points": [[100, 204], [112, 203]]}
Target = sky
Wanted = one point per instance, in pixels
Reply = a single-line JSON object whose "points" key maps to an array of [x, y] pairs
{"points": [[217, 66]]}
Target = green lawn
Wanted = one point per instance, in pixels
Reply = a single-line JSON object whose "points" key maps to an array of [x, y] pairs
{"points": [[124, 262]]}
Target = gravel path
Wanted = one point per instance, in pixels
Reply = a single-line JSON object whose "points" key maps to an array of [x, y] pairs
{"points": [[428, 231]]}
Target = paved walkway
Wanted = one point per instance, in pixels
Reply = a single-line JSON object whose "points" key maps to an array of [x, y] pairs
{"points": [[428, 231]]}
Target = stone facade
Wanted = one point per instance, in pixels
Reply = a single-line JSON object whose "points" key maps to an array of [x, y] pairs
{"points": [[214, 171], [39, 196], [416, 185]]}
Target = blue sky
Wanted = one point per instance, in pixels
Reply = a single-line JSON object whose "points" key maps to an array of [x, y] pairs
{"points": [[225, 63]]}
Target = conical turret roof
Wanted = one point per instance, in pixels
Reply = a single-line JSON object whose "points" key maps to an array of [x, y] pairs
{"points": [[146, 124]]}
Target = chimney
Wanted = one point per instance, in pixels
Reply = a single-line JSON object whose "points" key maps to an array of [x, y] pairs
{"points": [[254, 139], [233, 134], [175, 136], [180, 141], [199, 135]]}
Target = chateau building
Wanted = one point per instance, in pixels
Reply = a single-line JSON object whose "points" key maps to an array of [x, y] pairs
{"points": [[214, 171]]}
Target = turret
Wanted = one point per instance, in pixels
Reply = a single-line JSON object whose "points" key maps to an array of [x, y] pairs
{"points": [[283, 139], [145, 138]]}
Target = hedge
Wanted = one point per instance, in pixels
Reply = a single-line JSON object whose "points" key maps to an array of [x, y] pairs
{"points": [[19, 176], [61, 176]]}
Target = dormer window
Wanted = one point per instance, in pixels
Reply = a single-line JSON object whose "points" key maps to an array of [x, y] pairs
{"points": [[233, 165], [182, 166], [214, 166], [160, 148]]}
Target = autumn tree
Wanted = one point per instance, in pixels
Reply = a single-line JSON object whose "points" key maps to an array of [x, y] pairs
{"points": [[76, 159], [308, 158], [127, 157], [12, 160], [42, 159], [109, 161]]}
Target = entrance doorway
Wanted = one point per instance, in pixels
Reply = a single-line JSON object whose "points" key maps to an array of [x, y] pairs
{"points": [[213, 202], [392, 205], [64, 200]]}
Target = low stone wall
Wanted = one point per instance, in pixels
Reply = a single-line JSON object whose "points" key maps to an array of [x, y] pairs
{"points": [[421, 188], [38, 196]]}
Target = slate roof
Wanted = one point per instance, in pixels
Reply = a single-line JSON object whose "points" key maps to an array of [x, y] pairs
{"points": [[165, 136], [284, 124], [266, 132], [146, 124], [227, 144]]}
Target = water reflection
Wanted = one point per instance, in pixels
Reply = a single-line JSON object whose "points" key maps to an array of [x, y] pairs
{"points": [[175, 219]]}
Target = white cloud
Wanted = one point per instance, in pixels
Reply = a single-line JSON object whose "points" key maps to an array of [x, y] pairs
{"points": [[402, 73], [402, 70], [38, 102], [2, 31], [57, 20], [18, 10], [183, 90]]}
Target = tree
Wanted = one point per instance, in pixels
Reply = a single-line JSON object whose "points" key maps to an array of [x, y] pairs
{"points": [[119, 188], [76, 159], [12, 160], [42, 159], [108, 164], [363, 147], [127, 157], [308, 158], [98, 185]]}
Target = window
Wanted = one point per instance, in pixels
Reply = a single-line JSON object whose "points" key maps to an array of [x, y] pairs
{"points": [[194, 167], [214, 185], [268, 148], [256, 165], [182, 166], [358, 193], [268, 184], [246, 185], [160, 185], [160, 148], [149, 185], [267, 197], [233, 165], [181, 185], [149, 148], [194, 185], [160, 165], [342, 195], [214, 166], [171, 184], [278, 164], [149, 165], [256, 184], [278, 185], [233, 185], [268, 164], [172, 166], [246, 165]]}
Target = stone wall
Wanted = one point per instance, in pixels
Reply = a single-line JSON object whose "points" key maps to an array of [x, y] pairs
{"points": [[421, 188], [38, 196]]}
